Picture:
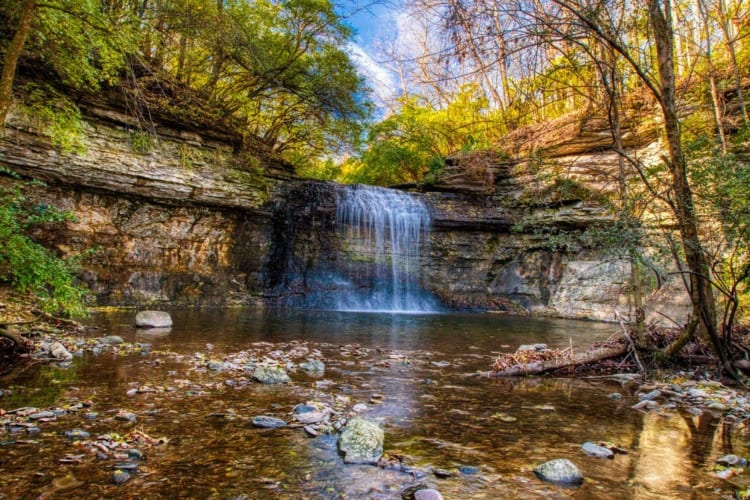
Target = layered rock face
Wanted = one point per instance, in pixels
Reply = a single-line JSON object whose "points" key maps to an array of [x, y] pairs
{"points": [[189, 223]]}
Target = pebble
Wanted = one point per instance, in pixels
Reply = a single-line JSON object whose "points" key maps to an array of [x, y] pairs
{"points": [[442, 473], [468, 470], [126, 416], [58, 351], [76, 434], [310, 431], [42, 414], [120, 477], [410, 492], [111, 340], [359, 408], [126, 466], [615, 396]]}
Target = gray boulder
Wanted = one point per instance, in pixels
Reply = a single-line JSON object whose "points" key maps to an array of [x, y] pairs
{"points": [[361, 442], [58, 351], [560, 470], [111, 340], [268, 375], [153, 319]]}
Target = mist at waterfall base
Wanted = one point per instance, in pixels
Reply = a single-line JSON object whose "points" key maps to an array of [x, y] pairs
{"points": [[371, 261], [382, 232]]}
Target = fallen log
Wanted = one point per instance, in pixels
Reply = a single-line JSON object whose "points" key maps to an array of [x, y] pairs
{"points": [[537, 367]]}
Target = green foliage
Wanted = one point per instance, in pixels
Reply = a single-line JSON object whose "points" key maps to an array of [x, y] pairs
{"points": [[30, 267], [141, 142], [409, 146], [57, 116]]}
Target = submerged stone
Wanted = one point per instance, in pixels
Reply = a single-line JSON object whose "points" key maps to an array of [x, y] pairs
{"points": [[560, 470], [313, 367], [266, 422], [120, 477], [361, 442], [111, 340], [153, 319]]}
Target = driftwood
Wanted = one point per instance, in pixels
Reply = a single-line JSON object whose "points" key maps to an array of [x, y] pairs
{"points": [[537, 367]]}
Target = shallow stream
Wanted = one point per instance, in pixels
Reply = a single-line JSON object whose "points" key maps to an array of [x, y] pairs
{"points": [[415, 374]]}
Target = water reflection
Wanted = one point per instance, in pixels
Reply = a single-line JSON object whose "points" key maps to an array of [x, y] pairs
{"points": [[435, 413]]}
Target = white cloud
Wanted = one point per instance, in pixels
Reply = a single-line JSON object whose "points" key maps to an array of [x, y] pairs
{"points": [[382, 81]]}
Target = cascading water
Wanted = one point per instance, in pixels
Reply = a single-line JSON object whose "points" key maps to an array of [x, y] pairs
{"points": [[382, 231]]}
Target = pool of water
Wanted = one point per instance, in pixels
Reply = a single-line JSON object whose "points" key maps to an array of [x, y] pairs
{"points": [[417, 376]]}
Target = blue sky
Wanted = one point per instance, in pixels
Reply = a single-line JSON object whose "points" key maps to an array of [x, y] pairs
{"points": [[370, 23]]}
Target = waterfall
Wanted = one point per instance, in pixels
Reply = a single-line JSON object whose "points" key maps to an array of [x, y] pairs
{"points": [[382, 231]]}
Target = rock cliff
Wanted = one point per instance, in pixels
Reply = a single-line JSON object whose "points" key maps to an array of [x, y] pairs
{"points": [[189, 222]]}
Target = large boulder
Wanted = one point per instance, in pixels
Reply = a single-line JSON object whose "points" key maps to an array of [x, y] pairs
{"points": [[153, 319], [560, 471], [361, 442]]}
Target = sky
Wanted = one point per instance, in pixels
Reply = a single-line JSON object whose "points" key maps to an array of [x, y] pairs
{"points": [[370, 24]]}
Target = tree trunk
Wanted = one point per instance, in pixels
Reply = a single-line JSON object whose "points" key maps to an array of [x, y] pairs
{"points": [[11, 58], [537, 367], [701, 293]]}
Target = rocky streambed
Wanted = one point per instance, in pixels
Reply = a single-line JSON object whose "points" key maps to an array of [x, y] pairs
{"points": [[239, 404]]}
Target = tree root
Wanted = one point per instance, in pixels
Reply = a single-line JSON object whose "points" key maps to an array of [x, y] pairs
{"points": [[21, 344]]}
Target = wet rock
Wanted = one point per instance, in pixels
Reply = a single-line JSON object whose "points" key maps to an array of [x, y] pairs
{"points": [[313, 367], [127, 466], [649, 396], [268, 375], [76, 434], [594, 450], [42, 415], [361, 442], [92, 415], [310, 431], [732, 460], [120, 477], [440, 364], [153, 319], [560, 470], [359, 408], [135, 454], [410, 492], [615, 396], [66, 483], [303, 408], [469, 470], [442, 473], [428, 494], [58, 351], [266, 422], [312, 417], [111, 340], [696, 412], [126, 416]]}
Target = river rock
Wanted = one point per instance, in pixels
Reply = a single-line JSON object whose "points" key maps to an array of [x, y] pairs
{"points": [[361, 442], [410, 492], [594, 450], [313, 367], [268, 375], [76, 434], [153, 319], [42, 415], [266, 422], [311, 417], [111, 340], [560, 470], [732, 460], [58, 351], [120, 477], [428, 494]]}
